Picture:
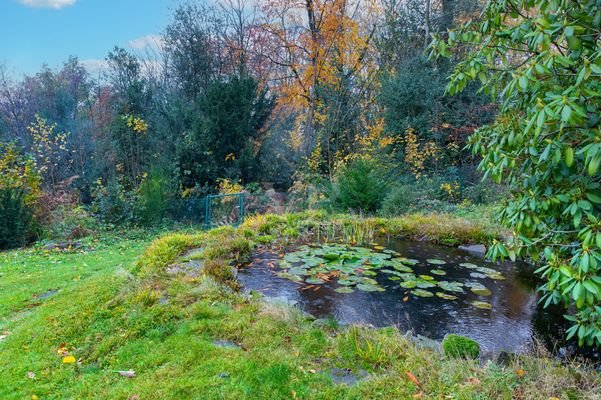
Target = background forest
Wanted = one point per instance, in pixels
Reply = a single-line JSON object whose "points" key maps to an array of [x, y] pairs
{"points": [[334, 102]]}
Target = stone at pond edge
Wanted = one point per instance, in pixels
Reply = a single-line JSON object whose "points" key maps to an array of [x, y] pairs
{"points": [[457, 346], [474, 249]]}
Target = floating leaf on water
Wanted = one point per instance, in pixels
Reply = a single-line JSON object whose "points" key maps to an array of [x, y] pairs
{"points": [[473, 284], [406, 261], [345, 282], [394, 278], [451, 286], [424, 284], [438, 272], [293, 257], [369, 281], [402, 268], [468, 265], [480, 290], [477, 275], [378, 247], [435, 261], [369, 288], [331, 256], [390, 272], [344, 290], [408, 284], [286, 275], [421, 293], [394, 253], [482, 304], [446, 296], [370, 273], [298, 271], [315, 281], [497, 276], [427, 277]]}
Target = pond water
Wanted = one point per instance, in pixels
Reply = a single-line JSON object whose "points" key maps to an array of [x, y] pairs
{"points": [[501, 314]]}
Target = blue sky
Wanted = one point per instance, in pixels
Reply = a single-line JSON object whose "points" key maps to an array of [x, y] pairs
{"points": [[34, 32]]}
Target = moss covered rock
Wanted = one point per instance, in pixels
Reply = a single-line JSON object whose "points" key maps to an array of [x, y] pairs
{"points": [[457, 346]]}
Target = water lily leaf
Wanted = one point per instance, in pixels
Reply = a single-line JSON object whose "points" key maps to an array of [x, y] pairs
{"points": [[286, 275], [345, 282], [438, 272], [406, 261], [427, 277], [369, 288], [370, 273], [394, 278], [477, 275], [402, 268], [446, 296], [435, 261], [344, 290], [422, 284], [315, 281], [480, 290], [298, 271], [451, 286], [468, 265], [496, 276], [378, 247], [408, 284], [422, 293], [482, 304]]}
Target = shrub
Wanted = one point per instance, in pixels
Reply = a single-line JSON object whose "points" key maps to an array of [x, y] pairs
{"points": [[68, 222], [360, 187], [114, 204], [16, 219], [154, 197], [457, 346], [19, 195]]}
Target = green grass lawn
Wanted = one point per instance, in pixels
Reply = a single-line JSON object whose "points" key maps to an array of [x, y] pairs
{"points": [[112, 310]]}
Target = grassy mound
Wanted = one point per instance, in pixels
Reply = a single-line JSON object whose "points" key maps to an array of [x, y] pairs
{"points": [[108, 313]]}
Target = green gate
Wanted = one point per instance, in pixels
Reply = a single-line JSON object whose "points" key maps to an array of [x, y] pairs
{"points": [[224, 209]]}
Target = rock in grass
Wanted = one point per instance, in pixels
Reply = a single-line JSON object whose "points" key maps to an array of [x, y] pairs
{"points": [[458, 346]]}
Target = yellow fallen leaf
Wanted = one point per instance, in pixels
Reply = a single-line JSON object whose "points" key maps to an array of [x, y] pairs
{"points": [[520, 372], [34, 397], [69, 360]]}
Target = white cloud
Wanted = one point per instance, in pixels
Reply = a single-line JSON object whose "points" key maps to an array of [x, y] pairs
{"points": [[94, 66], [151, 41], [56, 4]]}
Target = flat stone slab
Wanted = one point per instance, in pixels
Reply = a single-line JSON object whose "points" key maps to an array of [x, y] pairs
{"points": [[190, 268], [474, 249], [349, 377], [226, 344]]}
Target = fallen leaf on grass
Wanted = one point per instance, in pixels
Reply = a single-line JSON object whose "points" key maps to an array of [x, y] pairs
{"points": [[473, 380], [69, 360], [520, 372], [418, 395], [30, 375], [413, 379]]}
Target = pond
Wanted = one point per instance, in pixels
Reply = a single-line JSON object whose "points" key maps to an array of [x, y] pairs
{"points": [[419, 286]]}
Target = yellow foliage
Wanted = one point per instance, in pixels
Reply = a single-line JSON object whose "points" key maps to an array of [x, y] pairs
{"points": [[226, 186], [416, 155]]}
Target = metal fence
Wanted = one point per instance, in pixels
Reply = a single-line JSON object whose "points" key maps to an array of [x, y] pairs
{"points": [[224, 209]]}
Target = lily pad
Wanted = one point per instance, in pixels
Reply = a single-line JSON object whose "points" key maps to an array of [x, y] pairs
{"points": [[480, 290], [435, 261], [477, 275], [482, 304], [438, 272], [409, 284], [344, 290], [446, 296], [468, 265], [451, 286], [369, 288], [406, 261], [422, 293], [423, 284], [315, 281], [286, 275], [298, 271], [427, 277], [345, 282]]}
